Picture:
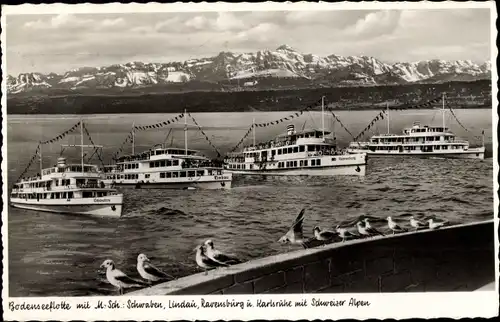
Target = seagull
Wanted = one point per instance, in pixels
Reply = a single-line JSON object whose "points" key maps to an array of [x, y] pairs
{"points": [[204, 261], [117, 278], [148, 271], [362, 230], [323, 235], [416, 223], [371, 229], [434, 225], [344, 233], [295, 235], [217, 256], [393, 226]]}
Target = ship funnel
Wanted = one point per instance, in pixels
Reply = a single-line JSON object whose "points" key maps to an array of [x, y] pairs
{"points": [[61, 162], [290, 129]]}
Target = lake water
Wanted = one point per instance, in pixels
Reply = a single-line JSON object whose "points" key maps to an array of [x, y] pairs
{"points": [[59, 255]]}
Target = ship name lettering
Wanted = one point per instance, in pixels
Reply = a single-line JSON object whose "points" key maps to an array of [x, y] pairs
{"points": [[102, 200], [347, 158]]}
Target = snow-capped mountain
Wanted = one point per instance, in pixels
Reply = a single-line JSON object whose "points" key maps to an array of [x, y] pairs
{"points": [[283, 64]]}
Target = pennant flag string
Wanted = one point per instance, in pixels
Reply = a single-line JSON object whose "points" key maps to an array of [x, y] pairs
{"points": [[204, 134], [61, 135], [160, 124]]}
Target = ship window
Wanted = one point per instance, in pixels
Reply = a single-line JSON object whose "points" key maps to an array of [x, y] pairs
{"points": [[168, 174], [302, 148], [318, 162], [279, 151], [175, 162], [273, 152], [305, 163], [151, 164], [199, 173], [147, 175], [157, 164], [162, 163], [191, 173], [57, 195], [183, 174], [310, 148], [313, 163], [295, 164], [301, 163], [290, 150], [162, 175], [285, 151], [296, 149]]}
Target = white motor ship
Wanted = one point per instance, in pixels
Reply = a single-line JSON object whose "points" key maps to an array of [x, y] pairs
{"points": [[67, 188], [304, 153], [165, 167], [420, 141]]}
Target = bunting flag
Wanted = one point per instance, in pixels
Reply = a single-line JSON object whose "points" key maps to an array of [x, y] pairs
{"points": [[463, 126], [204, 134], [341, 124], [33, 158], [289, 117], [160, 124], [372, 122], [93, 144], [61, 135]]}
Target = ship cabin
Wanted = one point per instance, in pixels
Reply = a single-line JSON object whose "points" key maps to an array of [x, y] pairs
{"points": [[175, 162], [290, 145], [62, 181]]}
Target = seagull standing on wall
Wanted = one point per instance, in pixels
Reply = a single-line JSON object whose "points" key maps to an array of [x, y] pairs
{"points": [[295, 235], [435, 225], [119, 279], [371, 229], [416, 223], [323, 235], [204, 261], [344, 233], [362, 230], [217, 256], [148, 271], [393, 226]]}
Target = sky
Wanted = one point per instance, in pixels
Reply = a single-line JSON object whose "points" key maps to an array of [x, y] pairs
{"points": [[57, 43]]}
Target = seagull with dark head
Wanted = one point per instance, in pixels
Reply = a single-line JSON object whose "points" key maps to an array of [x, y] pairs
{"points": [[119, 279], [324, 235], [295, 235], [204, 261], [218, 256], [394, 226], [149, 272]]}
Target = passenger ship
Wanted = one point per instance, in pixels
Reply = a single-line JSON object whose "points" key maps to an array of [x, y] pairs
{"points": [[421, 141], [308, 152], [168, 168], [67, 188]]}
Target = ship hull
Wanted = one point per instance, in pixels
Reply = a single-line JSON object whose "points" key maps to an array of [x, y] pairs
{"points": [[473, 153], [109, 206], [204, 185], [348, 170]]}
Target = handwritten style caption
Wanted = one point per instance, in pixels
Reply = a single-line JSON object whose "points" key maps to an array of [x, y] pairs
{"points": [[184, 304]]}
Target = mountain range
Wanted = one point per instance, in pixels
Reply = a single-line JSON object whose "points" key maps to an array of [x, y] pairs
{"points": [[252, 70]]}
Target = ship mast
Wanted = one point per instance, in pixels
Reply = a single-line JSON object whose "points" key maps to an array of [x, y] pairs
{"points": [[388, 118], [185, 134], [323, 115], [41, 160], [81, 143], [253, 131], [443, 110], [133, 137]]}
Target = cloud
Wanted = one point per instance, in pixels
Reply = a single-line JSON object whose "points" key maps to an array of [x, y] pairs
{"points": [[376, 24], [53, 42]]}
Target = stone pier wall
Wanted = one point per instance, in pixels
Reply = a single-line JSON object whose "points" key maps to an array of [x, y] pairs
{"points": [[458, 258]]}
